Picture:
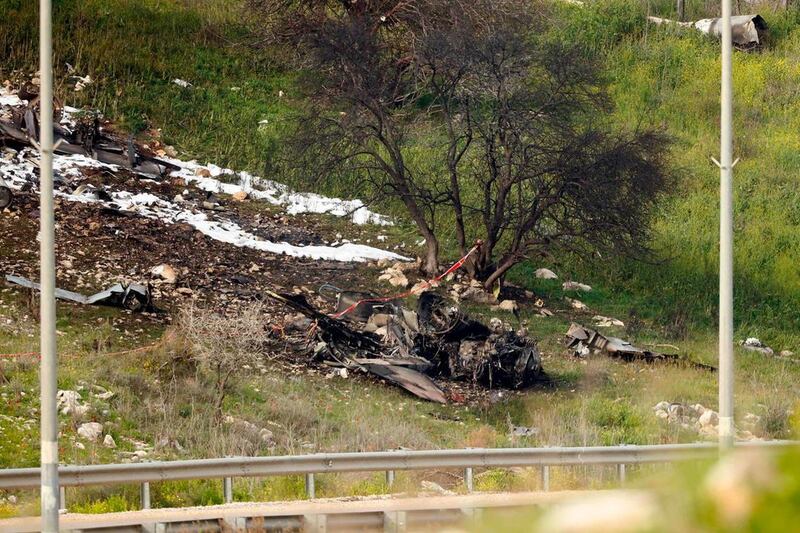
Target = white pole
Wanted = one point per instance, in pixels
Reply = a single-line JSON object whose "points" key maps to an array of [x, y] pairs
{"points": [[48, 367], [726, 237]]}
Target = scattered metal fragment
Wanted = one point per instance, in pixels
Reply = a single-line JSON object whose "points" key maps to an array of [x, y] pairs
{"points": [[87, 139], [411, 380], [755, 345], [584, 341], [5, 195], [748, 31], [134, 297]]}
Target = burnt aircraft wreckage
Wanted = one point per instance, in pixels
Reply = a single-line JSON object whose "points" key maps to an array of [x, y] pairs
{"points": [[412, 348]]}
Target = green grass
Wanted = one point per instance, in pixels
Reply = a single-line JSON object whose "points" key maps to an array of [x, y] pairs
{"points": [[669, 79], [658, 76], [133, 50]]}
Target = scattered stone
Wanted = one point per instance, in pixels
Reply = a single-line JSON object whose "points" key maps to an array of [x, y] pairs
{"points": [[379, 319], [108, 442], [202, 172], [90, 431], [477, 295], [239, 196], [185, 291], [522, 431], [576, 304], [394, 276], [68, 401], [661, 406], [575, 286], [605, 321], [545, 273], [79, 445], [266, 436], [105, 396], [165, 272], [430, 486], [787, 353], [709, 418], [165, 442], [508, 305]]}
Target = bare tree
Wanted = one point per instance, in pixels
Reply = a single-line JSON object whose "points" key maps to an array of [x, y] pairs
{"points": [[525, 126], [224, 345], [532, 166]]}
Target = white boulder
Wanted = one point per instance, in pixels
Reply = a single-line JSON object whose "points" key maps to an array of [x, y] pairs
{"points": [[575, 286], [90, 431], [545, 273], [68, 401], [165, 272]]}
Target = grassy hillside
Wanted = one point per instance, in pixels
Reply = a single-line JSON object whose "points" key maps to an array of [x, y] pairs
{"points": [[659, 77], [133, 50], [669, 79]]}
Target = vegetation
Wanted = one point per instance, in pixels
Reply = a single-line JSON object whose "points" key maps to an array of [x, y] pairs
{"points": [[516, 123], [656, 77]]}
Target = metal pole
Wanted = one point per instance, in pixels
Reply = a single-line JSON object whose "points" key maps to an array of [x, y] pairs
{"points": [[468, 479], [227, 489], [545, 475], [47, 305], [726, 237], [311, 492], [144, 495]]}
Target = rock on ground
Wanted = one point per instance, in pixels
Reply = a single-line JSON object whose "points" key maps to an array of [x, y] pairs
{"points": [[90, 431], [575, 286], [165, 272], [545, 273], [508, 305]]}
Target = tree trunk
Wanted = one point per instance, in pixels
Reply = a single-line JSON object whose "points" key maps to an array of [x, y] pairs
{"points": [[431, 263], [504, 266]]}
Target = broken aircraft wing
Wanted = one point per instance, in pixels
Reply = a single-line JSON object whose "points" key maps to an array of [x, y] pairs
{"points": [[134, 297]]}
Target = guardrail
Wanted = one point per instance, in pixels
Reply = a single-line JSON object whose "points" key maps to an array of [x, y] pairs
{"points": [[322, 463]]}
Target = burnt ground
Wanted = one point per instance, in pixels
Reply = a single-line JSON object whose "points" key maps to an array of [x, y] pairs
{"points": [[97, 246]]}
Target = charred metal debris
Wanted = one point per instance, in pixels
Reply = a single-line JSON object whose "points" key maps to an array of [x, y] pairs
{"points": [[132, 296], [412, 348], [584, 341], [85, 137]]}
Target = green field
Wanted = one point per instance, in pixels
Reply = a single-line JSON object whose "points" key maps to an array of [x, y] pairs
{"points": [[658, 77]]}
